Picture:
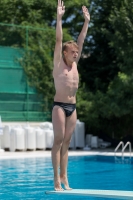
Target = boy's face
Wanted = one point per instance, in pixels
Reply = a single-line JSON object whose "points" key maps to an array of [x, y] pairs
{"points": [[71, 53]]}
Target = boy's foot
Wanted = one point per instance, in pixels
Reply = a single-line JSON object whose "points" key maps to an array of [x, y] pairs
{"points": [[65, 183], [57, 185]]}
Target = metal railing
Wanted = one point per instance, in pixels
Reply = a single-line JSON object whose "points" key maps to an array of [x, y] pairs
{"points": [[123, 149], [120, 144], [130, 149]]}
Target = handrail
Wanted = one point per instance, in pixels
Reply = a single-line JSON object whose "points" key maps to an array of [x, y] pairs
{"points": [[123, 149], [120, 143]]}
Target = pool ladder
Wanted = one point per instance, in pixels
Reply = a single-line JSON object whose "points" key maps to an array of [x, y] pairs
{"points": [[123, 148]]}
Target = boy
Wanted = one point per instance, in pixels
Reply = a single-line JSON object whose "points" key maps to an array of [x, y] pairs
{"points": [[66, 80]]}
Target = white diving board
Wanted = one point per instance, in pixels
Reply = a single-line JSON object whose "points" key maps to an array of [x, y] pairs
{"points": [[117, 194]]}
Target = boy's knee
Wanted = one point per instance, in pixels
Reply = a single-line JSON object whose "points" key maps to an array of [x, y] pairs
{"points": [[58, 142], [67, 142]]}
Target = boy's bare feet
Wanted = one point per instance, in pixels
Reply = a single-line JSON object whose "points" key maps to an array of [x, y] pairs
{"points": [[64, 180], [57, 184]]}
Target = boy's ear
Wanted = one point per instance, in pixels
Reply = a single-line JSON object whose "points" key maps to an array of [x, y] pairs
{"points": [[64, 53]]}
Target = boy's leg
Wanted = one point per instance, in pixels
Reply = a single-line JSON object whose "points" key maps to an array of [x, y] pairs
{"points": [[70, 125], [58, 120]]}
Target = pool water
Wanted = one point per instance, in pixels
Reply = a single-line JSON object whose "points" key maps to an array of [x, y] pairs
{"points": [[29, 178]]}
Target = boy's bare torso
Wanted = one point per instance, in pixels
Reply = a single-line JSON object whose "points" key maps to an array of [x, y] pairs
{"points": [[66, 81]]}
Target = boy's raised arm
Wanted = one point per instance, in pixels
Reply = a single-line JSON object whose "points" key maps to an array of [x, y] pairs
{"points": [[84, 30], [59, 34]]}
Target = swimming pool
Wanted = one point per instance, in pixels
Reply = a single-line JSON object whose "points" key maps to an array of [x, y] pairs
{"points": [[29, 178]]}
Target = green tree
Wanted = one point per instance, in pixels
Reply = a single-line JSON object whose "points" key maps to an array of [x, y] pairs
{"points": [[104, 98], [38, 49], [107, 69]]}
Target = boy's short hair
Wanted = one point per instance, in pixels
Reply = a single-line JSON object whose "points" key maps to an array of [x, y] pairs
{"points": [[69, 43]]}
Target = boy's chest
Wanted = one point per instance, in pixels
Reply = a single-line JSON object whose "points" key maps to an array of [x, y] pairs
{"points": [[67, 75]]}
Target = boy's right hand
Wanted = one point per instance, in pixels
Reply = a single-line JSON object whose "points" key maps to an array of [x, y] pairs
{"points": [[60, 8]]}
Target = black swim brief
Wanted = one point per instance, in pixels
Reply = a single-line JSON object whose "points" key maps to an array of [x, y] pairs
{"points": [[67, 107]]}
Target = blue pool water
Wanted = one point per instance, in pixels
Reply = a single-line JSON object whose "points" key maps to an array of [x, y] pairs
{"points": [[29, 178]]}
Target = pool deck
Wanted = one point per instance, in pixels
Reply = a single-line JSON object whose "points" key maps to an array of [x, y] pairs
{"points": [[47, 153]]}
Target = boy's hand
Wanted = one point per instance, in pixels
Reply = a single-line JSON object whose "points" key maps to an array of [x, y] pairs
{"points": [[86, 13], [60, 8]]}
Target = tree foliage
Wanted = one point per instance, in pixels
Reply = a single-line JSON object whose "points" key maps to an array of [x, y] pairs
{"points": [[107, 71], [34, 16], [104, 98]]}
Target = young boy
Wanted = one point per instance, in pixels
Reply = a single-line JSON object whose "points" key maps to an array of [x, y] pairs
{"points": [[66, 81]]}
